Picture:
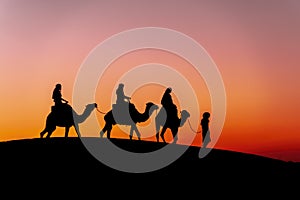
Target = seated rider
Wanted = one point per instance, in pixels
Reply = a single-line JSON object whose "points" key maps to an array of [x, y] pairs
{"points": [[167, 103], [57, 96], [121, 97]]}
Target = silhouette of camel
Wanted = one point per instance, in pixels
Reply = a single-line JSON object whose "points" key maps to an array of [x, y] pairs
{"points": [[127, 118], [173, 122], [66, 118]]}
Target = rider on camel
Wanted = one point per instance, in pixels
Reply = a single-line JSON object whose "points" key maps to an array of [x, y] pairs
{"points": [[167, 103], [57, 97], [121, 97]]}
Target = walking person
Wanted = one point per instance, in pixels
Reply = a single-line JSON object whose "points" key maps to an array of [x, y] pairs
{"points": [[205, 129]]}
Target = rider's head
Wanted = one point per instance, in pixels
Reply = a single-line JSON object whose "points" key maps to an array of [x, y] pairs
{"points": [[121, 85], [169, 90], [206, 115], [58, 86]]}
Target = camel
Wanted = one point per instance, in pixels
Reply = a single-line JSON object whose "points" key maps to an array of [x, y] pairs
{"points": [[173, 123], [123, 117], [66, 117]]}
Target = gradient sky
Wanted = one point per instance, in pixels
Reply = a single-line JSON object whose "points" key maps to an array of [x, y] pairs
{"points": [[255, 45]]}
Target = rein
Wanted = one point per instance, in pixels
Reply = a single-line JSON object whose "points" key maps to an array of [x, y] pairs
{"points": [[99, 110], [192, 128]]}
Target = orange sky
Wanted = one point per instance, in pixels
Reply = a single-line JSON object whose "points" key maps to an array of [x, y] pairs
{"points": [[254, 44]]}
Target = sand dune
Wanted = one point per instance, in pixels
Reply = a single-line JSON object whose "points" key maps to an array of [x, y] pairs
{"points": [[67, 163]]}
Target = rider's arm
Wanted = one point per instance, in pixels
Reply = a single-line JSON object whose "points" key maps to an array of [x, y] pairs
{"points": [[64, 100]]}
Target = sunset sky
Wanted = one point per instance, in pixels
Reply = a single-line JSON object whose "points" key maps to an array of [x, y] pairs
{"points": [[254, 44]]}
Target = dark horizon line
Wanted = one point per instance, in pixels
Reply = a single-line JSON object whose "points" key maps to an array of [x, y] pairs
{"points": [[149, 141]]}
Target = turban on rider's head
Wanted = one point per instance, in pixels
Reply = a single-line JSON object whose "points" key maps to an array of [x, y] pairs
{"points": [[58, 85], [169, 90]]}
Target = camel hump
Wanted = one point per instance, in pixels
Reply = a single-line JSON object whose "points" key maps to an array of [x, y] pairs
{"points": [[123, 107], [122, 112], [132, 107]]}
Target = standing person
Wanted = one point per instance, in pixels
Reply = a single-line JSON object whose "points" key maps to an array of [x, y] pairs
{"points": [[205, 129], [57, 96], [121, 97]]}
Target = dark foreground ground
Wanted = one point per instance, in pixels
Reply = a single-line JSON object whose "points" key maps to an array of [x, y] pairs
{"points": [[64, 164]]}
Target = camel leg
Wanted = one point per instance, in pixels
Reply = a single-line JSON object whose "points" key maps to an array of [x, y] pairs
{"points": [[163, 133], [157, 134], [50, 131], [43, 133], [102, 132], [77, 129], [174, 133], [157, 130], [109, 128], [49, 128], [67, 131], [131, 133], [134, 128], [105, 128]]}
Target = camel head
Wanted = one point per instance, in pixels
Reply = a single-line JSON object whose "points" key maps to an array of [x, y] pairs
{"points": [[142, 117], [88, 109], [91, 106], [151, 106], [184, 116]]}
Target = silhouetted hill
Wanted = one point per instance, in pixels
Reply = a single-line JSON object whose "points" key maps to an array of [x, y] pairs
{"points": [[65, 162]]}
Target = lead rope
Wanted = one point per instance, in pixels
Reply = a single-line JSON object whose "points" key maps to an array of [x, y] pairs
{"points": [[192, 128], [99, 110]]}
